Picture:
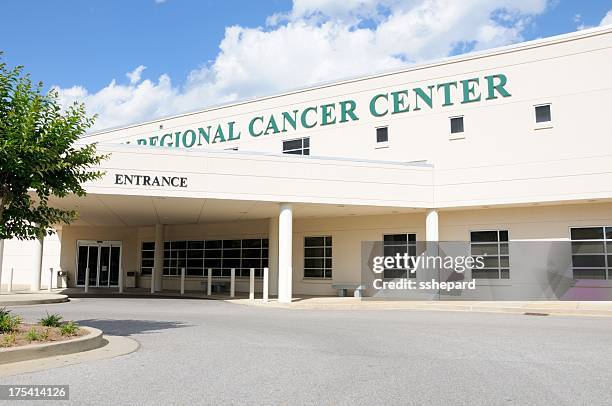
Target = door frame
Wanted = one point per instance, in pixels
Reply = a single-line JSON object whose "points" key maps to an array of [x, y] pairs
{"points": [[99, 244]]}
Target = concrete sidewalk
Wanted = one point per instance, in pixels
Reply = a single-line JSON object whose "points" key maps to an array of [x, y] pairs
{"points": [[22, 298], [565, 308]]}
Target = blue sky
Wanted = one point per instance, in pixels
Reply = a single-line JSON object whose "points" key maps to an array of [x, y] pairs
{"points": [[197, 53]]}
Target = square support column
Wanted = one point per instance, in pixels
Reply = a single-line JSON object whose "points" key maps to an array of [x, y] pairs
{"points": [[273, 256], [158, 259], [285, 253], [37, 259]]}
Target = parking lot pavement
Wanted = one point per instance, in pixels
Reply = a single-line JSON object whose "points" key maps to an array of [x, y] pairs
{"points": [[211, 352]]}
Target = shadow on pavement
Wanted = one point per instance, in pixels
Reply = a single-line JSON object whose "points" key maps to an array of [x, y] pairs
{"points": [[129, 327]]}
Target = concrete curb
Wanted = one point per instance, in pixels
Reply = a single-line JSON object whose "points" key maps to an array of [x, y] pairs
{"points": [[444, 307], [58, 299], [87, 342]]}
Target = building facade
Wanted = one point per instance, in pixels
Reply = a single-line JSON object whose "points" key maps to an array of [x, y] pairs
{"points": [[492, 148]]}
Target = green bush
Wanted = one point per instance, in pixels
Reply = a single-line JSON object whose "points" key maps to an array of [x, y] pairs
{"points": [[51, 320], [69, 329], [32, 335], [8, 322], [8, 340]]}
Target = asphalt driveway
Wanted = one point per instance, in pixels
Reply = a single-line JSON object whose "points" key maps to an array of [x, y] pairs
{"points": [[209, 352]]}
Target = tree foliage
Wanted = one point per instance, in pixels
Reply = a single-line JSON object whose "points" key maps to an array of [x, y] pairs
{"points": [[40, 156]]}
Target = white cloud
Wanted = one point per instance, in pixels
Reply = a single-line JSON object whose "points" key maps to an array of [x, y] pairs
{"points": [[607, 18], [136, 74], [317, 41]]}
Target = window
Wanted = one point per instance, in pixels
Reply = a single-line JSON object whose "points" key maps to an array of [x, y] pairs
{"points": [[219, 255], [542, 114], [493, 247], [591, 252], [456, 124], [382, 135], [300, 146], [147, 255], [318, 257], [399, 244]]}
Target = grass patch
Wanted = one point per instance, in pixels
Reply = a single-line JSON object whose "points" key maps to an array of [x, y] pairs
{"points": [[51, 320], [8, 322], [69, 329], [32, 335]]}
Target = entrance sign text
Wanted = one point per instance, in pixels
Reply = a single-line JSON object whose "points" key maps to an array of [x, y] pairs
{"points": [[146, 180]]}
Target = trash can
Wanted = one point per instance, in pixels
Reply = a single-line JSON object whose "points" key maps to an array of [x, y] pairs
{"points": [[62, 279], [130, 279]]}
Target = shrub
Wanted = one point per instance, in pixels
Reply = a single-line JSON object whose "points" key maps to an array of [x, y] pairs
{"points": [[51, 320], [44, 336], [8, 322], [32, 335], [69, 329], [9, 340]]}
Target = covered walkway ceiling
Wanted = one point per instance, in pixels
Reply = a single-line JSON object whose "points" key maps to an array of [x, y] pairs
{"points": [[125, 210]]}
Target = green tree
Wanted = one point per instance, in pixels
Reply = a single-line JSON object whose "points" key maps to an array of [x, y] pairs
{"points": [[40, 156]]}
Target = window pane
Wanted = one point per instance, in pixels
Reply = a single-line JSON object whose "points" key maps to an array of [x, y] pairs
{"points": [[254, 243], [306, 142], [213, 244], [456, 125], [589, 274], [195, 245], [382, 134], [391, 251], [482, 249], [178, 245], [314, 263], [609, 233], [589, 260], [587, 247], [148, 246], [328, 241], [148, 254], [485, 273], [314, 252], [542, 114], [503, 235], [231, 244], [314, 241], [395, 238], [292, 144], [395, 273], [306, 152], [233, 253], [313, 273], [587, 233], [483, 236]]}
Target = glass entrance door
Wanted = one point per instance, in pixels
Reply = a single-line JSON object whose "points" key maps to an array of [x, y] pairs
{"points": [[103, 258]]}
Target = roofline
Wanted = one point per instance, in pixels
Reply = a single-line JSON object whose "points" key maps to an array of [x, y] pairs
{"points": [[164, 150], [572, 36]]}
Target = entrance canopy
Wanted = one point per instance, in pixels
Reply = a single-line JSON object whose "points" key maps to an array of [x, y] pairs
{"points": [[127, 210]]}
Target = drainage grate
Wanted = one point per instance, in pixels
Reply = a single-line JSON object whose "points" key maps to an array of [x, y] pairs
{"points": [[535, 314]]}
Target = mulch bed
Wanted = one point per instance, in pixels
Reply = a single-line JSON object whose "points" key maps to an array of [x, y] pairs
{"points": [[52, 335]]}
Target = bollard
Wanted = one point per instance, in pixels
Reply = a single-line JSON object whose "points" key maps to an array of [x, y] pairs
{"points": [[120, 279], [265, 284], [182, 281], [252, 284], [233, 282], [10, 281], [86, 279], [50, 287], [209, 282]]}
